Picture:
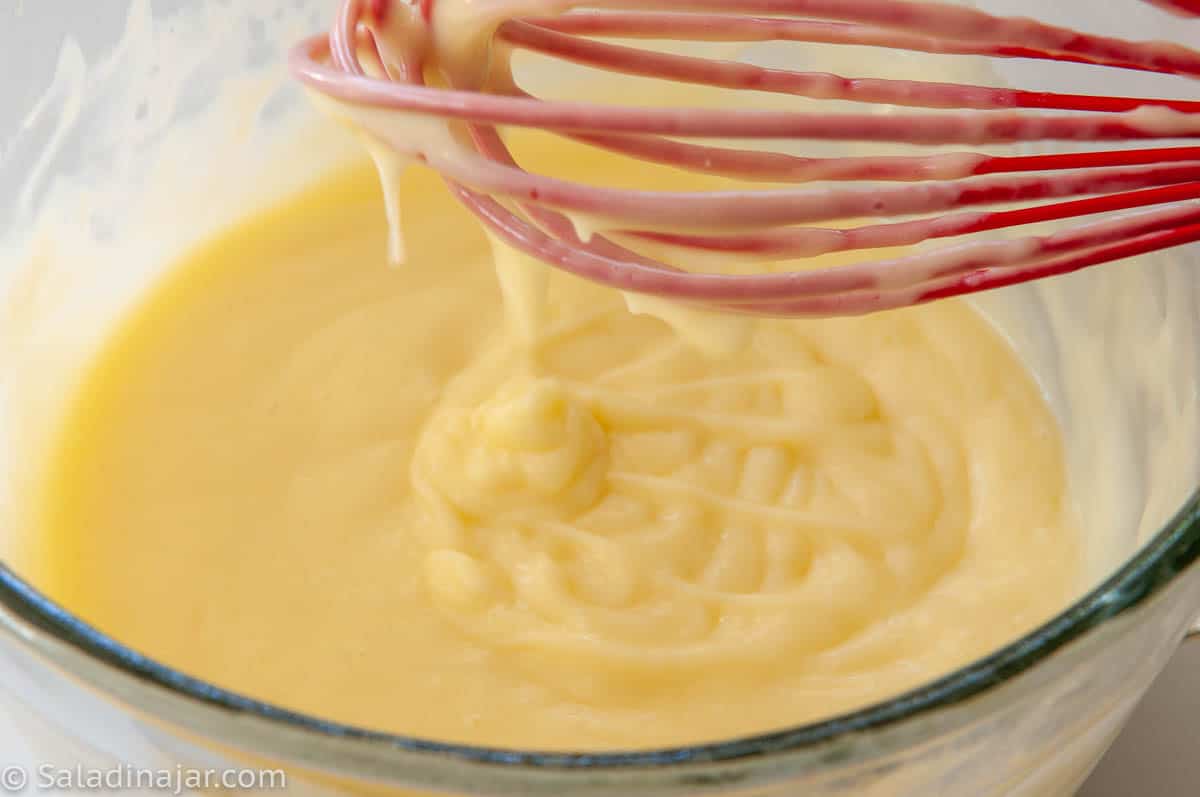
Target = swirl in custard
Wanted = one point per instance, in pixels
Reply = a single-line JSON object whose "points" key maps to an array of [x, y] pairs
{"points": [[622, 531]]}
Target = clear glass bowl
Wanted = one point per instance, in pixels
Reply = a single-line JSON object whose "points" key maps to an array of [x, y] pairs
{"points": [[82, 121]]}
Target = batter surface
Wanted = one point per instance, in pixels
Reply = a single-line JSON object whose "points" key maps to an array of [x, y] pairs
{"points": [[367, 493]]}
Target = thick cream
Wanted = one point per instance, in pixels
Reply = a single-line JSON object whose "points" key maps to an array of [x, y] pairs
{"points": [[397, 509]]}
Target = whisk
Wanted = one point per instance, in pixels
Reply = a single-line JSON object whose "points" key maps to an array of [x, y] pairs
{"points": [[380, 53]]}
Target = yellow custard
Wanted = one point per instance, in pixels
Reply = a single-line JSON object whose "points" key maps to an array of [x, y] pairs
{"points": [[360, 491]]}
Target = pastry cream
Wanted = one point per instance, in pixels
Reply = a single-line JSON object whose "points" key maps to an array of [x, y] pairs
{"points": [[370, 494]]}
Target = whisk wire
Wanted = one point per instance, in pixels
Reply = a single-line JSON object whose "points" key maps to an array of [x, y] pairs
{"points": [[529, 210]]}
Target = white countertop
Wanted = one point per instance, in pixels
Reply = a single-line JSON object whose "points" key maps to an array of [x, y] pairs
{"points": [[1159, 753]]}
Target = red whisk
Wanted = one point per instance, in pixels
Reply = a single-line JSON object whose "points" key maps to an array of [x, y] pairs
{"points": [[380, 52]]}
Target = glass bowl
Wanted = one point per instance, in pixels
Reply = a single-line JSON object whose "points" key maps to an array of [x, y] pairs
{"points": [[94, 111]]}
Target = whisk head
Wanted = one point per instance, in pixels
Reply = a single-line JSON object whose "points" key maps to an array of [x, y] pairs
{"points": [[376, 63]]}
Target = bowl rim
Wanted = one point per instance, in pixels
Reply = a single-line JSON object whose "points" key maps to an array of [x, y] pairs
{"points": [[123, 674]]}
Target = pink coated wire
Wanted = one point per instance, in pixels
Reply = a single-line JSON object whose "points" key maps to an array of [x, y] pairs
{"points": [[764, 223]]}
